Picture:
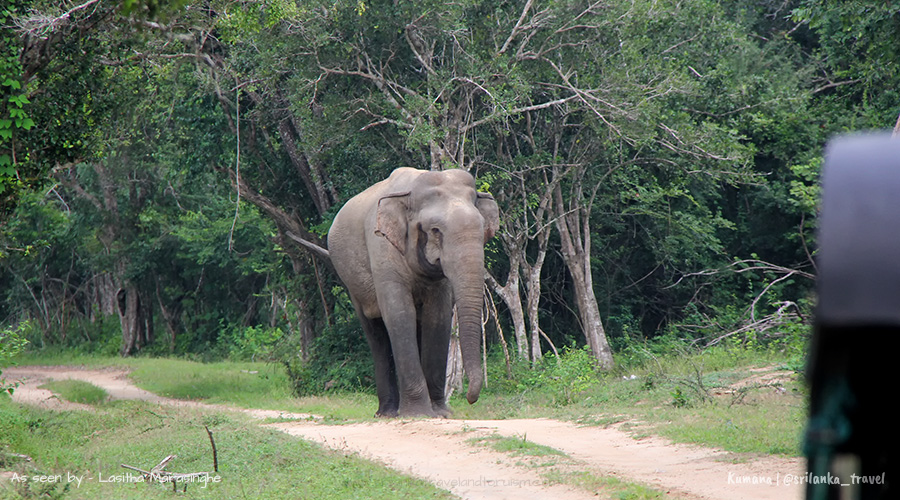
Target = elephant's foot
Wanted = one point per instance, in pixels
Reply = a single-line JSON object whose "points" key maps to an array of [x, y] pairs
{"points": [[417, 409], [386, 414], [428, 413], [442, 410], [387, 411]]}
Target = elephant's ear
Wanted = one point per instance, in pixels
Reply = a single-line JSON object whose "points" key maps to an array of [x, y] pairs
{"points": [[390, 221], [491, 214]]}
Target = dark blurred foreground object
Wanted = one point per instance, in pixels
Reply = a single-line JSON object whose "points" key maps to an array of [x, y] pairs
{"points": [[851, 439]]}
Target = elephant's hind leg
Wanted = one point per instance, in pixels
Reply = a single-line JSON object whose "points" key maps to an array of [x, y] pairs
{"points": [[385, 370]]}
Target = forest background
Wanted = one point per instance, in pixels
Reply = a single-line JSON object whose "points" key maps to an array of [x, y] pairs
{"points": [[656, 164]]}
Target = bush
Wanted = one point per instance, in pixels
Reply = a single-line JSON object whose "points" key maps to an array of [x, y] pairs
{"points": [[12, 342], [250, 343], [102, 336], [339, 360], [563, 378]]}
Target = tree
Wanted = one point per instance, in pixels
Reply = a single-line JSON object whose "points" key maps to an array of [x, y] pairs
{"points": [[629, 146]]}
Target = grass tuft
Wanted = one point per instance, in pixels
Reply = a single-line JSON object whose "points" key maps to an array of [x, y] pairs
{"points": [[77, 391], [517, 446]]}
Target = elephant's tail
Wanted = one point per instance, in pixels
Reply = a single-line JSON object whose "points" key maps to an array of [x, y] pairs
{"points": [[312, 247]]}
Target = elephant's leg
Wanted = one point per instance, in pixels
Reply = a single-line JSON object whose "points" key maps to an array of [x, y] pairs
{"points": [[435, 323], [399, 313], [385, 371]]}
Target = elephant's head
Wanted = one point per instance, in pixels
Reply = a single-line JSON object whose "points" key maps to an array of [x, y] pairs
{"points": [[440, 224]]}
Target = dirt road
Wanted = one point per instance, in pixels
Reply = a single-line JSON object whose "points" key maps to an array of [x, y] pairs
{"points": [[442, 451]]}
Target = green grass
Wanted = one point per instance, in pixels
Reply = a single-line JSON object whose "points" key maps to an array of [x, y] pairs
{"points": [[762, 421], [559, 468], [262, 463], [77, 391], [517, 446], [242, 384], [609, 486], [253, 462]]}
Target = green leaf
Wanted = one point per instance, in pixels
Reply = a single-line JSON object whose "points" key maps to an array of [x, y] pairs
{"points": [[19, 100]]}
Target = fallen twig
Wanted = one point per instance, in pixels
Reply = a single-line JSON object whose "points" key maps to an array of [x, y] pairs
{"points": [[159, 475], [213, 443]]}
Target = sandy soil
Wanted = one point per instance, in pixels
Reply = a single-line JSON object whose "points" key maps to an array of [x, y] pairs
{"points": [[441, 451]]}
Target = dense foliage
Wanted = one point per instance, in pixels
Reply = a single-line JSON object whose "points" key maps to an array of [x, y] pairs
{"points": [[655, 162]]}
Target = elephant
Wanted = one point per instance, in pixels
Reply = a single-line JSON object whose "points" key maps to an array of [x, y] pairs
{"points": [[408, 249]]}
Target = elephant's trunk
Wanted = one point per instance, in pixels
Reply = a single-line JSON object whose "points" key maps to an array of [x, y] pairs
{"points": [[467, 278], [470, 345]]}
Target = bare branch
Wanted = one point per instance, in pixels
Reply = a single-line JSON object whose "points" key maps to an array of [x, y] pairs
{"points": [[832, 85], [516, 111], [754, 265], [418, 45], [679, 44], [40, 25], [517, 27]]}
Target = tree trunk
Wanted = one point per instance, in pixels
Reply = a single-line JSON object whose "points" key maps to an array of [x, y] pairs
{"points": [[533, 295], [315, 185], [131, 317], [104, 294], [171, 315], [511, 295], [575, 242], [454, 361], [307, 329]]}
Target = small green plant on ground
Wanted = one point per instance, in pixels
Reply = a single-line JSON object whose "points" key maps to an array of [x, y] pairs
{"points": [[517, 446], [77, 391], [610, 486], [251, 343], [679, 400]]}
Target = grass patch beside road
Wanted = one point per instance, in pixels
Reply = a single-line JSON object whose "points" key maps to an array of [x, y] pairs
{"points": [[559, 468], [517, 446], [242, 384], [77, 391], [737, 400], [253, 462]]}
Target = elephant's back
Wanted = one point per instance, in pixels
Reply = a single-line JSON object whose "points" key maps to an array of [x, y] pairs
{"points": [[349, 225], [357, 216], [348, 248]]}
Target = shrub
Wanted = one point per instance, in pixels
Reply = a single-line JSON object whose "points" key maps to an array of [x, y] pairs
{"points": [[12, 342], [562, 377], [339, 359], [250, 343]]}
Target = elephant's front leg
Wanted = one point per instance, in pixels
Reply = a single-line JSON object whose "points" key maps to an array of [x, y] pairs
{"points": [[435, 321], [399, 314]]}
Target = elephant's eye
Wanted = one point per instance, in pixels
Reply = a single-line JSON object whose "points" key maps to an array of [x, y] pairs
{"points": [[435, 231]]}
